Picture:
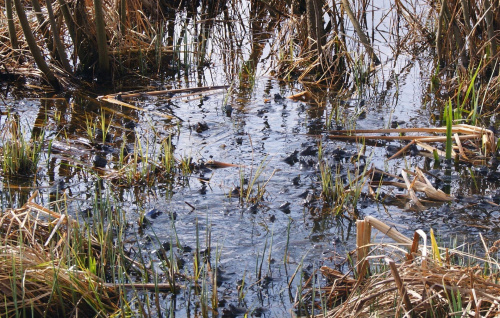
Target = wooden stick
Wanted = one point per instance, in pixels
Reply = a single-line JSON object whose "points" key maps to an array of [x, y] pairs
{"points": [[397, 154], [460, 128], [360, 32], [168, 91], [112, 100], [460, 148], [148, 286], [300, 96]]}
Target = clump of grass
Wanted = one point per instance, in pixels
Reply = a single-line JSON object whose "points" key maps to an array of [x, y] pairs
{"points": [[426, 281], [333, 191], [46, 267], [149, 162], [331, 186], [251, 189], [19, 156], [105, 128], [167, 155], [90, 128]]}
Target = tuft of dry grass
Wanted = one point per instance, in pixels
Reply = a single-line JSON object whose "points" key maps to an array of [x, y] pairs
{"points": [[435, 290], [46, 267], [408, 280]]}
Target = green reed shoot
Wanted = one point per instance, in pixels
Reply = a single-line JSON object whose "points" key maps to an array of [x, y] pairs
{"points": [[185, 166], [104, 127], [19, 156], [253, 181], [471, 86], [167, 157], [259, 267], [241, 289], [285, 257], [456, 303], [90, 127]]}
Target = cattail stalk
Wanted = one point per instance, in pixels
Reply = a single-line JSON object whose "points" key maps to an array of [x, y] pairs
{"points": [[35, 50], [11, 25], [102, 45]]}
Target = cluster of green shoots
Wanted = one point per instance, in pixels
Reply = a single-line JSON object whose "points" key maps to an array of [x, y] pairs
{"points": [[252, 189], [19, 155], [92, 128], [334, 192], [467, 111], [150, 162]]}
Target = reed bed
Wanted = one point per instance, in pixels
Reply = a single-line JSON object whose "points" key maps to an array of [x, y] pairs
{"points": [[151, 38], [465, 49]]}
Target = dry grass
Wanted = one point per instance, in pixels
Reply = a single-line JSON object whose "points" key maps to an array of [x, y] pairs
{"points": [[437, 290], [433, 282], [46, 268]]}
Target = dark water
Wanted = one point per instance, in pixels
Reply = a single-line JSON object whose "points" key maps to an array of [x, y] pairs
{"points": [[262, 130]]}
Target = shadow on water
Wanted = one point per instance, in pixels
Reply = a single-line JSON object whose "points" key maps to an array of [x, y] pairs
{"points": [[261, 219]]}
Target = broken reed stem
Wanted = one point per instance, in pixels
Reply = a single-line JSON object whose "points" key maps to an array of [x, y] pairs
{"points": [[389, 231], [459, 128], [363, 239], [421, 138], [145, 286], [400, 286], [413, 196], [128, 95], [490, 27], [414, 247], [402, 150]]}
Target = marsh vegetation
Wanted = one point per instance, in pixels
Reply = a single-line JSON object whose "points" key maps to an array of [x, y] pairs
{"points": [[230, 158]]}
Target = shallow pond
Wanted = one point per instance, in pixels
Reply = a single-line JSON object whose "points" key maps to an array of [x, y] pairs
{"points": [[260, 218]]}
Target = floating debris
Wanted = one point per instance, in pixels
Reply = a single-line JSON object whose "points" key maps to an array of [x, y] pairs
{"points": [[484, 140]]}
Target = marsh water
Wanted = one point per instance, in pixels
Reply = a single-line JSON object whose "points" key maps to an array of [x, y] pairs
{"points": [[270, 144]]}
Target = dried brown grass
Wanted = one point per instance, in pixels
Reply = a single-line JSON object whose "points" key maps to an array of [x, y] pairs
{"points": [[45, 269], [431, 290], [454, 284]]}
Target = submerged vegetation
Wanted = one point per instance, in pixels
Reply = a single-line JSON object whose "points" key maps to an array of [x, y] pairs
{"points": [[102, 215]]}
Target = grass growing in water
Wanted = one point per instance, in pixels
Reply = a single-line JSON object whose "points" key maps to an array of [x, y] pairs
{"points": [[333, 191], [56, 263], [19, 156]]}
